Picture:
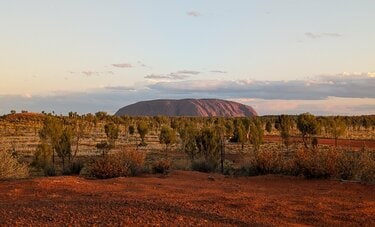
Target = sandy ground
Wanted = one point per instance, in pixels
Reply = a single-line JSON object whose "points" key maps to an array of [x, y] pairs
{"points": [[186, 198]]}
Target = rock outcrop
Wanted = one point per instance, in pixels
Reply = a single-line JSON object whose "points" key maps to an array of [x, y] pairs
{"points": [[187, 107]]}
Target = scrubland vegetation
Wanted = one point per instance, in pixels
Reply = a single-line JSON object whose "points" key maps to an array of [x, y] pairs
{"points": [[127, 146]]}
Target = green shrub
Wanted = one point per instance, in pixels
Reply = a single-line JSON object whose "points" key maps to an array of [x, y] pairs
{"points": [[10, 168], [161, 166]]}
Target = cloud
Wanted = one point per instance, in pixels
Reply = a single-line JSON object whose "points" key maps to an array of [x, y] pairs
{"points": [[179, 75], [171, 76], [218, 71], [322, 35], [355, 85], [194, 13], [329, 106], [343, 93], [90, 73], [122, 65], [191, 72], [120, 88], [96, 73]]}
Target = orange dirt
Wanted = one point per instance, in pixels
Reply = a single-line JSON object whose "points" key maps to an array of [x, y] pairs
{"points": [[329, 141], [186, 198]]}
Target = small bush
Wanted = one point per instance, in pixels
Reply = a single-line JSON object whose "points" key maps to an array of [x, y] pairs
{"points": [[73, 168], [262, 162], [161, 166], [203, 166], [348, 165], [367, 163], [122, 164], [316, 163], [10, 168], [49, 170]]}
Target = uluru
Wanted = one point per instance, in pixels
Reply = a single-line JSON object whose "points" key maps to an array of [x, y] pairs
{"points": [[188, 107]]}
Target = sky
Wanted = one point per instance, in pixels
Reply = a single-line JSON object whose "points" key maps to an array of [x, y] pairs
{"points": [[279, 56]]}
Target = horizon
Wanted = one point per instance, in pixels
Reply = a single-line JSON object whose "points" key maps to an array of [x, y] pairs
{"points": [[279, 57]]}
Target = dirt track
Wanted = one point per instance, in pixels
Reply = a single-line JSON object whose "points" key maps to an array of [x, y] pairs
{"points": [[186, 198], [329, 141]]}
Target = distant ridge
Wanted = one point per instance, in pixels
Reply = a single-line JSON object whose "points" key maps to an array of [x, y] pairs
{"points": [[188, 107]]}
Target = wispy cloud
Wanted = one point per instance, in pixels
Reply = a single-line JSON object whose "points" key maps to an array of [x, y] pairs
{"points": [[122, 65], [171, 76], [95, 73], [90, 73], [194, 13], [179, 75], [218, 71], [120, 88], [322, 35], [191, 72]]}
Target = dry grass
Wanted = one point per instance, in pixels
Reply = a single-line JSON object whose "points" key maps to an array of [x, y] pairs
{"points": [[10, 168]]}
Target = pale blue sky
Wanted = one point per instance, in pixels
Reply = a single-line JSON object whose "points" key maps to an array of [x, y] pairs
{"points": [[113, 53]]}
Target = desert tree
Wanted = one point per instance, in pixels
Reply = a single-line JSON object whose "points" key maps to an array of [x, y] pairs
{"points": [[256, 133], [63, 147], [239, 133], [208, 143], [187, 135], [50, 133], [285, 123], [268, 126], [112, 132], [308, 126], [167, 136], [142, 128], [336, 127]]}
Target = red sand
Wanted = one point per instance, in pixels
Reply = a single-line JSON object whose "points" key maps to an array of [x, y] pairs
{"points": [[186, 198]]}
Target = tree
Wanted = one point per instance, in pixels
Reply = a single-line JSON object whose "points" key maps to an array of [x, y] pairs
{"points": [[167, 136], [188, 140], [112, 132], [208, 143], [63, 146], [268, 126], [103, 147], [336, 127], [285, 123], [80, 127], [50, 133], [308, 126], [239, 133], [256, 133], [56, 136], [142, 129]]}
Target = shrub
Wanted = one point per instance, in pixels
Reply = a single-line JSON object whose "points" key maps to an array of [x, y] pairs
{"points": [[122, 164], [49, 170], [367, 163], [348, 165], [10, 168], [262, 162], [203, 166], [161, 166], [316, 163], [73, 168]]}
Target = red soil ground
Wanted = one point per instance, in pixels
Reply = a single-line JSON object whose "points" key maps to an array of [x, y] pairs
{"points": [[327, 141], [186, 198]]}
